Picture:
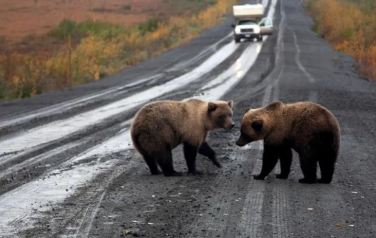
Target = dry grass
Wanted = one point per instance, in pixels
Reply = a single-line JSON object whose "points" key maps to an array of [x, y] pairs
{"points": [[99, 51], [350, 27]]}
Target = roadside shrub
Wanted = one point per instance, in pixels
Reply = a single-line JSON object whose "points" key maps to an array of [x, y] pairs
{"points": [[88, 27], [350, 27], [150, 25]]}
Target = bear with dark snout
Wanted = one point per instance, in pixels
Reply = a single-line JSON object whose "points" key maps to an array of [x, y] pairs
{"points": [[308, 128], [161, 126]]}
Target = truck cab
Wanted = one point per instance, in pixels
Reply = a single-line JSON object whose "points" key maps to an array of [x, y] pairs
{"points": [[249, 22]]}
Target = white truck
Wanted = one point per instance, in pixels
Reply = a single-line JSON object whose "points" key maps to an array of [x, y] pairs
{"points": [[249, 22]]}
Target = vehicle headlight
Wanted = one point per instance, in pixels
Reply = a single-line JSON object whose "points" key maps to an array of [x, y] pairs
{"points": [[237, 30], [257, 29]]}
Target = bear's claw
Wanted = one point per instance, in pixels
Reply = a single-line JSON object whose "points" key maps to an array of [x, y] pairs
{"points": [[174, 174], [195, 172], [323, 181], [216, 163], [281, 176], [258, 177], [156, 172], [308, 181]]}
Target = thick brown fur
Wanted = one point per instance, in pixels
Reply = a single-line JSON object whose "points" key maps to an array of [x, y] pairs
{"points": [[161, 126], [308, 128]]}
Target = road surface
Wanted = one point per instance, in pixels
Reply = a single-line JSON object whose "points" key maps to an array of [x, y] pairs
{"points": [[68, 168]]}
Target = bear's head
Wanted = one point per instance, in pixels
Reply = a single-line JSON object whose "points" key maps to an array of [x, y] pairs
{"points": [[220, 115], [258, 123]]}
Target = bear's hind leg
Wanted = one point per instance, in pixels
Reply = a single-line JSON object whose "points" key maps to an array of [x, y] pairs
{"points": [[190, 153], [206, 150], [269, 160], [327, 170], [164, 160], [285, 159], [328, 155], [308, 164], [150, 161]]}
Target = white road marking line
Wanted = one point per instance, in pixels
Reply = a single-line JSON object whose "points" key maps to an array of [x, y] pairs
{"points": [[275, 96], [312, 92], [267, 95], [202, 54], [65, 106], [229, 78]]}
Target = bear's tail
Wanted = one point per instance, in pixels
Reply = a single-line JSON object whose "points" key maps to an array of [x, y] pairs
{"points": [[136, 142], [331, 143]]}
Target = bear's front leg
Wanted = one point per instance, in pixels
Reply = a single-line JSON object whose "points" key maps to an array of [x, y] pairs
{"points": [[285, 159], [269, 160], [190, 153], [206, 150]]}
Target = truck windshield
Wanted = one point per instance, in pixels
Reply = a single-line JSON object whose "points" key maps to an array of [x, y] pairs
{"points": [[246, 22]]}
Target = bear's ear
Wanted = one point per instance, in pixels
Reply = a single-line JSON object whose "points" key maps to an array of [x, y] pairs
{"points": [[231, 104], [274, 105], [247, 110], [212, 106], [257, 125]]}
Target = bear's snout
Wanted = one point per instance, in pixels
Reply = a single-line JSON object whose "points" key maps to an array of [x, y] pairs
{"points": [[240, 142], [229, 126]]}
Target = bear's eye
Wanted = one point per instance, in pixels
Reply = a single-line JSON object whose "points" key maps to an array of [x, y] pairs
{"points": [[257, 125], [222, 116]]}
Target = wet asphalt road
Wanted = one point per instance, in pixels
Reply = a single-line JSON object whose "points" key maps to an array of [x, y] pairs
{"points": [[67, 168]]}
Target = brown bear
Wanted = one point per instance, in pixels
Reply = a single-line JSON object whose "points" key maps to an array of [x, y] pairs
{"points": [[161, 126], [308, 128]]}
